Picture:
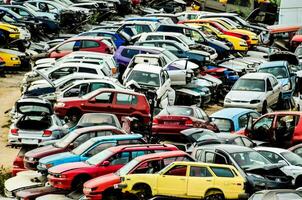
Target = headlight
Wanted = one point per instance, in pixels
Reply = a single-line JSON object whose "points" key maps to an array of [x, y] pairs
{"points": [[227, 100], [254, 101], [286, 87], [207, 58], [14, 58], [243, 43], [87, 190], [60, 104]]}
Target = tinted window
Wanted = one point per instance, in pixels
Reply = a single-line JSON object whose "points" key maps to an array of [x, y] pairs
{"points": [[67, 46], [89, 44], [126, 99], [83, 138], [95, 86], [154, 37], [199, 172], [222, 172], [105, 97], [177, 170], [98, 149], [242, 121], [129, 53], [120, 158], [87, 70]]}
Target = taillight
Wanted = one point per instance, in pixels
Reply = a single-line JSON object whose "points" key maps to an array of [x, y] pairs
{"points": [[189, 122], [47, 133], [14, 131], [155, 121]]}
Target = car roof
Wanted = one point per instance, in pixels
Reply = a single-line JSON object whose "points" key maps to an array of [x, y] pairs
{"points": [[272, 149], [230, 113], [116, 137], [202, 164], [147, 68], [228, 136], [161, 154], [139, 146], [94, 128], [257, 75], [273, 64], [230, 148]]}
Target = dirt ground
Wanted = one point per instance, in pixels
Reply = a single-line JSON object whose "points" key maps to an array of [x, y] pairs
{"points": [[9, 93]]}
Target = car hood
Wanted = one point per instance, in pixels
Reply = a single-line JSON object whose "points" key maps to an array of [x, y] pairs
{"points": [[267, 170], [45, 61], [108, 179], [283, 81], [59, 158], [68, 166], [43, 151], [22, 181], [248, 95]]}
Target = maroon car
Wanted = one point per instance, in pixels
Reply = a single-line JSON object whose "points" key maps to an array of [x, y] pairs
{"points": [[67, 143], [173, 119]]}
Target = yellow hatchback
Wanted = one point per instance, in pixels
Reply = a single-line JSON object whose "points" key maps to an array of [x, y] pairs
{"points": [[11, 58], [192, 180]]}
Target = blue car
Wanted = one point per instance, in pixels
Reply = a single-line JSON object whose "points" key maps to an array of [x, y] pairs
{"points": [[87, 150], [233, 119], [117, 38], [280, 69]]}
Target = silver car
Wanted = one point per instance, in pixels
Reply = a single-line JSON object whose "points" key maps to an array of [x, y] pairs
{"points": [[36, 124]]}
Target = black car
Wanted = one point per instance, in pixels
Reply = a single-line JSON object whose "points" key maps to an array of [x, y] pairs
{"points": [[259, 173], [222, 49]]}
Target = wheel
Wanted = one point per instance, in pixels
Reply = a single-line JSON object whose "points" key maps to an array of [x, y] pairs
{"points": [[111, 196], [144, 193], [264, 107], [78, 182], [217, 196]]}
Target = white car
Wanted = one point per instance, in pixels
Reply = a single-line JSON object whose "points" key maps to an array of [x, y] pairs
{"points": [[291, 161], [180, 71], [150, 77], [255, 91]]}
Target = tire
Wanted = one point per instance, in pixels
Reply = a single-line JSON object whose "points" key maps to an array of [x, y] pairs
{"points": [[78, 182], [74, 113], [144, 193], [298, 182], [264, 108], [217, 196], [111, 196]]}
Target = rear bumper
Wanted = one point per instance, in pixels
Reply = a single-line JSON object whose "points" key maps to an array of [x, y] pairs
{"points": [[20, 140], [162, 129]]}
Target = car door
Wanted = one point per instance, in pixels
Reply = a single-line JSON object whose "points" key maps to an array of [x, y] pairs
{"points": [[177, 75], [124, 104], [173, 182], [262, 129], [165, 84], [199, 176], [269, 95], [100, 103], [64, 49], [276, 88]]}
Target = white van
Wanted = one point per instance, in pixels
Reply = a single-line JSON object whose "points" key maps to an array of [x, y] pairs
{"points": [[290, 12]]}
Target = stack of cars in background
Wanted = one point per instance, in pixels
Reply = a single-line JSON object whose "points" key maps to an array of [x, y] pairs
{"points": [[160, 103]]}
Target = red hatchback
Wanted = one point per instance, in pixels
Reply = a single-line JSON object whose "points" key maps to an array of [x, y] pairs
{"points": [[173, 119], [72, 176], [95, 44], [119, 102], [102, 187]]}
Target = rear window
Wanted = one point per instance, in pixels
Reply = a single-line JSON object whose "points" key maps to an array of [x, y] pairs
{"points": [[222, 172], [33, 108], [129, 53]]}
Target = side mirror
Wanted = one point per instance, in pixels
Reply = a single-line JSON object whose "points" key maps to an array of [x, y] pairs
{"points": [[105, 163]]}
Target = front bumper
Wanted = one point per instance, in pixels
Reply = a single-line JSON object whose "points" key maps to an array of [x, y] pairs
{"points": [[256, 106], [60, 183]]}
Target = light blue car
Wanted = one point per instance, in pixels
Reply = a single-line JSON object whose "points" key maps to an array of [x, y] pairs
{"points": [[281, 70], [233, 119], [88, 149]]}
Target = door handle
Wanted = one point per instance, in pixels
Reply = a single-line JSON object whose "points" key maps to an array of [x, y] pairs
{"points": [[182, 179], [209, 180]]}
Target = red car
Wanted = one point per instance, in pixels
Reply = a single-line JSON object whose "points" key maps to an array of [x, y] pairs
{"points": [[72, 176], [173, 119], [18, 164], [119, 102], [82, 43], [281, 129], [67, 143], [102, 187]]}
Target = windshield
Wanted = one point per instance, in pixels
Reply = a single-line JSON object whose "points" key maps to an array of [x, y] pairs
{"points": [[170, 55], [175, 110], [224, 125], [187, 40], [250, 159], [127, 168], [100, 157], [249, 85], [93, 119], [66, 140], [278, 72], [82, 148], [144, 78], [292, 158]]}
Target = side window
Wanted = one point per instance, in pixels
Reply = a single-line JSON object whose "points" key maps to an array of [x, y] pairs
{"points": [[104, 133], [173, 38], [83, 138], [177, 170], [203, 114], [120, 158], [216, 158], [125, 99], [222, 172], [170, 47], [67, 46], [62, 72], [238, 141], [247, 142], [264, 122], [199, 172], [105, 97], [72, 92], [135, 154], [162, 78], [84, 89], [98, 149], [95, 86], [87, 70], [274, 158], [268, 85], [154, 37], [126, 142], [242, 121], [149, 167], [89, 44], [129, 53]]}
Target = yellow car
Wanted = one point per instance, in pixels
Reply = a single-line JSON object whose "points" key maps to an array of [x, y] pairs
{"points": [[253, 36], [11, 32], [191, 180], [238, 43], [11, 58]]}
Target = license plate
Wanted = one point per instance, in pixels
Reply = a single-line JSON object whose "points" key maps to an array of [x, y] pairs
{"points": [[171, 123], [29, 141]]}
